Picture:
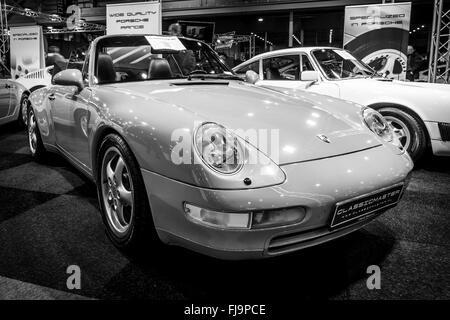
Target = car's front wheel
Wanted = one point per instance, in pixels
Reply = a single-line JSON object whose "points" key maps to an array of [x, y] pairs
{"points": [[37, 148], [123, 200], [409, 131]]}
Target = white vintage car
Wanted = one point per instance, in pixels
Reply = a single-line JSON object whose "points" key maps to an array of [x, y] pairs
{"points": [[419, 112], [14, 93]]}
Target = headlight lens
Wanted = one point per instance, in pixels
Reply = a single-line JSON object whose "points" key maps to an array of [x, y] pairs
{"points": [[378, 124], [219, 148]]}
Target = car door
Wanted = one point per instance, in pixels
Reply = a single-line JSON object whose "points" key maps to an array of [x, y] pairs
{"points": [[281, 71], [5, 92], [70, 117]]}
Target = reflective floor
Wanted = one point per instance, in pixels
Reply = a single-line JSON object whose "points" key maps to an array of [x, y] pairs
{"points": [[49, 219]]}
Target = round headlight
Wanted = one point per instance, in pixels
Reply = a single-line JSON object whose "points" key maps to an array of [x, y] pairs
{"points": [[378, 124], [219, 148]]}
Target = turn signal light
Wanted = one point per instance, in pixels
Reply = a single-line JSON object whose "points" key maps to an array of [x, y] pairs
{"points": [[218, 219]]}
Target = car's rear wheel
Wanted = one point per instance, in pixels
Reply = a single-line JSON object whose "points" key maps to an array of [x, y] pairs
{"points": [[37, 148], [409, 131], [122, 196]]}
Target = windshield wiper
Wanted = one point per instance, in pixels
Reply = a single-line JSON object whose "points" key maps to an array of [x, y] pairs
{"points": [[221, 76]]}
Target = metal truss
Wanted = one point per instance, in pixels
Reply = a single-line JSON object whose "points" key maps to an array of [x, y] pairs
{"points": [[4, 36], [230, 38], [252, 51], [439, 62], [54, 18], [53, 21]]}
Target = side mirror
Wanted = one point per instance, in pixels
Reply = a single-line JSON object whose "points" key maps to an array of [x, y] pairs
{"points": [[310, 76], [69, 77], [251, 77]]}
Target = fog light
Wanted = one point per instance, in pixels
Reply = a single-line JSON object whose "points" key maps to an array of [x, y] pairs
{"points": [[218, 219], [279, 217]]}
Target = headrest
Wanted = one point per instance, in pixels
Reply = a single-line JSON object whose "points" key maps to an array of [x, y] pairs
{"points": [[159, 69], [105, 68]]}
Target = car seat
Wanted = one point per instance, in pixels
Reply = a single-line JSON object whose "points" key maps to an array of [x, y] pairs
{"points": [[105, 68], [273, 74], [159, 69]]}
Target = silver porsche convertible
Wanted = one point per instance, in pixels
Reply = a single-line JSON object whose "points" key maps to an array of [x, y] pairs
{"points": [[186, 153]]}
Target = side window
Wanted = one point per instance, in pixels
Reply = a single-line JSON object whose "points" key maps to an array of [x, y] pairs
{"points": [[254, 66], [306, 63], [85, 70], [282, 68], [4, 72]]}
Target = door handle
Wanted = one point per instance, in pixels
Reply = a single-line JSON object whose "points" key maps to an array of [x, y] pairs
{"points": [[51, 97]]}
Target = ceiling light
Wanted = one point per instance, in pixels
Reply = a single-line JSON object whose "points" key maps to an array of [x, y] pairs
{"points": [[260, 19]]}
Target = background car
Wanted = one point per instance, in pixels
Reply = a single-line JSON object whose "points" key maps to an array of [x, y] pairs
{"points": [[419, 113], [11, 95], [14, 93], [166, 139]]}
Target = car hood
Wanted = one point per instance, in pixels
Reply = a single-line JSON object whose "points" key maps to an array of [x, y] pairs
{"points": [[241, 107]]}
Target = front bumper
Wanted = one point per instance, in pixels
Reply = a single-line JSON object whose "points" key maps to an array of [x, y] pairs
{"points": [[439, 144], [314, 185]]}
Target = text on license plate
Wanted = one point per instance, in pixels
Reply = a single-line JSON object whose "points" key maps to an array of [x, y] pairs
{"points": [[352, 209]]}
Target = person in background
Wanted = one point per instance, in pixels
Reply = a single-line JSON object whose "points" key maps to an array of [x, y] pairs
{"points": [[175, 30], [414, 63], [56, 59]]}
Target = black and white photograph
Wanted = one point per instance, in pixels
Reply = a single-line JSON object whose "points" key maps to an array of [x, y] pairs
{"points": [[228, 159]]}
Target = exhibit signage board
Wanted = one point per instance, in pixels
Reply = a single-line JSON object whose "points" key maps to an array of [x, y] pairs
{"points": [[200, 30], [26, 50], [378, 35], [136, 18]]}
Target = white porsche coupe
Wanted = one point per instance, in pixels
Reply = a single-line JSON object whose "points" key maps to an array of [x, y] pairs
{"points": [[418, 112]]}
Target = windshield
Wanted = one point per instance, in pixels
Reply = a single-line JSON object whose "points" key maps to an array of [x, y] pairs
{"points": [[339, 64], [132, 58]]}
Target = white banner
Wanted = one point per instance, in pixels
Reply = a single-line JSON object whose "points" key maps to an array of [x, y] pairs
{"points": [[26, 50], [378, 35], [136, 18]]}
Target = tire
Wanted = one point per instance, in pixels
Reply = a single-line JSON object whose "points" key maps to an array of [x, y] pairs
{"points": [[384, 50], [23, 112], [36, 146], [406, 124], [378, 39], [122, 197]]}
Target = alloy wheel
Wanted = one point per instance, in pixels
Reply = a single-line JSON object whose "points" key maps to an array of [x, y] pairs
{"points": [[400, 130], [117, 192]]}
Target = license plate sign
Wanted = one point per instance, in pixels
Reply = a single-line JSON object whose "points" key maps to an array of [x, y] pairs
{"points": [[361, 207]]}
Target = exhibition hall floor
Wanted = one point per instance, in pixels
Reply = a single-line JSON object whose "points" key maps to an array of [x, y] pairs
{"points": [[49, 219]]}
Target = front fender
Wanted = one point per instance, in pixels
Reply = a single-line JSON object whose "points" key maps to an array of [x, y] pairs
{"points": [[155, 131], [42, 110]]}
